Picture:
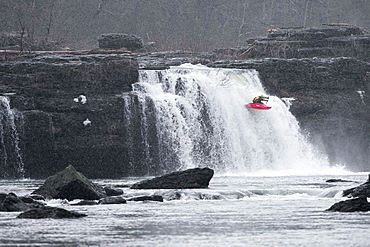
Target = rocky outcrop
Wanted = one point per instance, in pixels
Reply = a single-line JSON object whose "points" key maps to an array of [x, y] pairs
{"points": [[327, 40], [70, 184], [188, 179], [156, 198], [359, 203], [353, 205], [112, 200], [50, 212], [70, 110], [362, 190], [12, 203]]}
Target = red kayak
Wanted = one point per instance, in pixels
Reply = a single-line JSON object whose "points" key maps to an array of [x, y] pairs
{"points": [[258, 106]]}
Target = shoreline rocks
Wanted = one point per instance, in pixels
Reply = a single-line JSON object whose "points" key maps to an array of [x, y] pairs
{"points": [[50, 212]]}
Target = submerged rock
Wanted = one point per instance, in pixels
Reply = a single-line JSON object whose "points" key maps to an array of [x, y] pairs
{"points": [[70, 184], [49, 212], [110, 191], [188, 179], [85, 203], [156, 198], [338, 180], [352, 205]]}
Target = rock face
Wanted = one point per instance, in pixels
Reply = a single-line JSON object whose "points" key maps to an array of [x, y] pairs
{"points": [[359, 204], [69, 110], [327, 40], [188, 179], [49, 212], [362, 190], [70, 184]]}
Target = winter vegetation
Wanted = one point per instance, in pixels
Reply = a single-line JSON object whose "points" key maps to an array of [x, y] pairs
{"points": [[194, 25]]}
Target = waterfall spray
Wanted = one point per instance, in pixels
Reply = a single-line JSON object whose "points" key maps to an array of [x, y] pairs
{"points": [[194, 116], [11, 163]]}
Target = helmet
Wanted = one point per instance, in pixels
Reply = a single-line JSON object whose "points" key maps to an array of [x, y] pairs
{"points": [[262, 96]]}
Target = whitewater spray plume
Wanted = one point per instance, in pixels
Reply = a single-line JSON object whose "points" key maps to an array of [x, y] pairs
{"points": [[11, 163], [194, 116]]}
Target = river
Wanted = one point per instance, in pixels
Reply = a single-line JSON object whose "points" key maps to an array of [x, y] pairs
{"points": [[234, 211]]}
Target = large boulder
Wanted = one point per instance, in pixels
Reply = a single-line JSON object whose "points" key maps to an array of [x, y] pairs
{"points": [[50, 212], [362, 190], [352, 205], [70, 184], [188, 179]]}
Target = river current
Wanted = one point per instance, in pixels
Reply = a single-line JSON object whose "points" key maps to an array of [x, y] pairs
{"points": [[234, 211]]}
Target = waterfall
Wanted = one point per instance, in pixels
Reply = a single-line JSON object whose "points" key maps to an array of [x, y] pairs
{"points": [[194, 116], [11, 163]]}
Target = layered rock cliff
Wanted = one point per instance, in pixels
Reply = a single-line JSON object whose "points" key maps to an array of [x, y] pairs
{"points": [[71, 111]]}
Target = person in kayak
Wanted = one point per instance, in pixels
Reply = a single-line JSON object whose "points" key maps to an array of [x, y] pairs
{"points": [[259, 99]]}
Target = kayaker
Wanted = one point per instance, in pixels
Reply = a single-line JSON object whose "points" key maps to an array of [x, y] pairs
{"points": [[259, 99]]}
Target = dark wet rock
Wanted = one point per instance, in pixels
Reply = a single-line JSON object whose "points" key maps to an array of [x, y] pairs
{"points": [[13, 203], [204, 196], [37, 197], [110, 191], [173, 195], [338, 180], [121, 41], [85, 203], [44, 90], [352, 205], [156, 198], [188, 179], [70, 184], [362, 190], [112, 200], [49, 212], [2, 198]]}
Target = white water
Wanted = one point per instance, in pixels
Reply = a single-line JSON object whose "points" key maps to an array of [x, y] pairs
{"points": [[11, 162], [201, 120], [233, 211]]}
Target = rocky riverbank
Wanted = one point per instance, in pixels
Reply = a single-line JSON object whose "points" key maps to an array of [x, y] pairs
{"points": [[67, 108]]}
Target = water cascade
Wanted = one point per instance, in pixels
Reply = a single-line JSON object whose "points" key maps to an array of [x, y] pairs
{"points": [[11, 163], [194, 116]]}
